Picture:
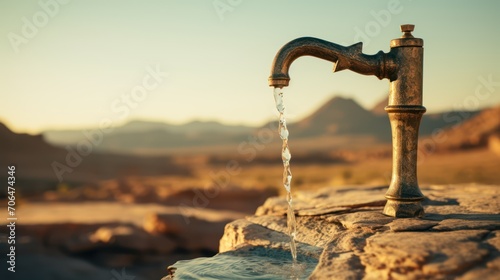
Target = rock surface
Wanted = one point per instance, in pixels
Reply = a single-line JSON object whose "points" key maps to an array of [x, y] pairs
{"points": [[458, 238]]}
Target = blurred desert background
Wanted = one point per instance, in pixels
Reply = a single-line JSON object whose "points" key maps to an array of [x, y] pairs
{"points": [[138, 130], [153, 193]]}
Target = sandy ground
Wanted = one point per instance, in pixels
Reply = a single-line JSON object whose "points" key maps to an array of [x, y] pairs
{"points": [[104, 212]]}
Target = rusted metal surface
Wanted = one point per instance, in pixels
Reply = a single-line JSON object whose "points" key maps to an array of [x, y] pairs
{"points": [[403, 67]]}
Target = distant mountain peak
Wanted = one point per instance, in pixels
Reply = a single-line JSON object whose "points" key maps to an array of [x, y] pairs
{"points": [[203, 122], [4, 129], [340, 101], [339, 115], [337, 107], [141, 122], [379, 108], [15, 141]]}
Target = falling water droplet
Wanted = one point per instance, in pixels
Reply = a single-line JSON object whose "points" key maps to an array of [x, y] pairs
{"points": [[284, 133], [283, 130], [285, 155], [287, 177], [278, 98]]}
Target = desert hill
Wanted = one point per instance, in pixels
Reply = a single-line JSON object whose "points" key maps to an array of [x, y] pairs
{"points": [[39, 165], [62, 137], [475, 132]]}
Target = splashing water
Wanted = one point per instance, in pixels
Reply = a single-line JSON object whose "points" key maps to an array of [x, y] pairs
{"points": [[287, 172], [251, 263]]}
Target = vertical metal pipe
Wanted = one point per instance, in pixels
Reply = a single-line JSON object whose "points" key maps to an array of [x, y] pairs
{"points": [[405, 112]]}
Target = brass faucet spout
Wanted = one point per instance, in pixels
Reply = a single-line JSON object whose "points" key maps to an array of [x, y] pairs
{"points": [[350, 57]]}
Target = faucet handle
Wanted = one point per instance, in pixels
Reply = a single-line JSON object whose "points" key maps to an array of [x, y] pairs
{"points": [[407, 39], [407, 29]]}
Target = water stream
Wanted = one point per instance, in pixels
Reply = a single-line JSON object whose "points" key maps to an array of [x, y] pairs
{"points": [[256, 262], [287, 172]]}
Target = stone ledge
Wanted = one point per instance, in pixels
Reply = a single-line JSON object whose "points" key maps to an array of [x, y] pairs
{"points": [[459, 237]]}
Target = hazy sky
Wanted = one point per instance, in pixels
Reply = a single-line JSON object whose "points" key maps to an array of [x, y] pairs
{"points": [[72, 64]]}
